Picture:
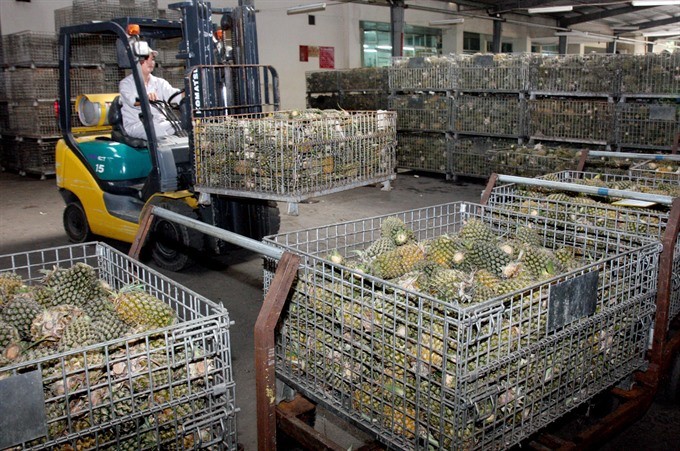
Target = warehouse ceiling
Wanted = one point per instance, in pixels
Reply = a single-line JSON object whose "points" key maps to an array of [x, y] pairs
{"points": [[621, 16]]}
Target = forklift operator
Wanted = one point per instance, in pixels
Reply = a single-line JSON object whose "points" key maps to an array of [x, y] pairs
{"points": [[157, 89]]}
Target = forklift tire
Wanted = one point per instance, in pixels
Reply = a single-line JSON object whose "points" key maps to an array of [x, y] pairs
{"points": [[75, 223], [672, 384], [174, 244]]}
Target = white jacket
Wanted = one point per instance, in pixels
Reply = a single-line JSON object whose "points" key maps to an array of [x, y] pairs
{"points": [[131, 122]]}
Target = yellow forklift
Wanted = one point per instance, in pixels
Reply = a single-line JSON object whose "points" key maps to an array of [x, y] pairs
{"points": [[108, 178]]}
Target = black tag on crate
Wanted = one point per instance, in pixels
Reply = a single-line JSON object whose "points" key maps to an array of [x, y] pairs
{"points": [[22, 417], [662, 112], [572, 299], [483, 60], [416, 62]]}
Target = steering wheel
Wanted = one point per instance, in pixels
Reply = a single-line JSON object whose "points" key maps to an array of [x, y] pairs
{"points": [[172, 97]]}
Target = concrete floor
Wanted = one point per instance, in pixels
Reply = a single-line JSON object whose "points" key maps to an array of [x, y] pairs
{"points": [[30, 218]]}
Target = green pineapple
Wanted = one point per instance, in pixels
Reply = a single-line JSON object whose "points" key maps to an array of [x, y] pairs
{"points": [[489, 256], [528, 235], [79, 333], [452, 285], [140, 309], [540, 262], [75, 285], [9, 285], [397, 262], [475, 230], [8, 335], [379, 246], [20, 312]]}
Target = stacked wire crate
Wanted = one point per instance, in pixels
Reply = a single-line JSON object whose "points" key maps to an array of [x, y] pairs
{"points": [[648, 112], [487, 118], [348, 89], [421, 91], [571, 98], [27, 118]]}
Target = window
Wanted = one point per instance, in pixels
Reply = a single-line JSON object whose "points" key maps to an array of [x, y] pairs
{"points": [[377, 44], [472, 42], [506, 47]]}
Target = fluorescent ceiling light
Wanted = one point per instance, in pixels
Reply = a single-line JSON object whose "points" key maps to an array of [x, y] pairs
{"points": [[383, 47], [655, 2], [303, 9], [447, 21], [661, 33], [551, 9], [585, 35]]}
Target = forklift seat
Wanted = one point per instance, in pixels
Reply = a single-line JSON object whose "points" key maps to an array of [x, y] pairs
{"points": [[117, 131]]}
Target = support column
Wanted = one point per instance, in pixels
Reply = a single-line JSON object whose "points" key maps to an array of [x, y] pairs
{"points": [[497, 31], [397, 18]]}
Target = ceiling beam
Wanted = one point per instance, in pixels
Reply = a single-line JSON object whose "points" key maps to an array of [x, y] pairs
{"points": [[657, 23], [602, 15]]}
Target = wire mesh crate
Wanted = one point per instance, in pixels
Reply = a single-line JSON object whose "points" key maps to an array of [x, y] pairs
{"points": [[663, 171], [470, 155], [500, 72], [174, 75], [532, 161], [422, 373], [574, 74], [167, 52], [423, 152], [652, 74], [647, 125], [86, 80], [363, 79], [488, 115], [167, 388], [91, 10], [434, 73], [36, 156], [350, 101], [598, 211], [113, 75], [40, 83], [30, 48], [63, 17], [33, 118], [9, 157], [4, 117], [577, 120], [322, 81], [422, 112], [4, 83], [293, 155]]}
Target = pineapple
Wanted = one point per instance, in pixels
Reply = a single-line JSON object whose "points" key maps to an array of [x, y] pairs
{"points": [[485, 255], [75, 285], [8, 335], [397, 262], [9, 285], [140, 309], [394, 228], [540, 262], [475, 230], [442, 250], [379, 246], [20, 313], [451, 285], [78, 333], [528, 235]]}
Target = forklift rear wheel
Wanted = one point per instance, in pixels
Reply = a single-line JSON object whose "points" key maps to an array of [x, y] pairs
{"points": [[174, 243], [672, 388], [75, 223]]}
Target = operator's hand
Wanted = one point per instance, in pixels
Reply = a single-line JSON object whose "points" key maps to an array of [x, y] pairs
{"points": [[153, 97]]}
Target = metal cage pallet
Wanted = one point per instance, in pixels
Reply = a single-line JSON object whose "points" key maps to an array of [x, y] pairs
{"points": [[423, 152], [652, 74], [650, 222], [291, 156], [431, 73], [88, 10], [648, 125], [582, 75], [4, 83], [33, 118], [421, 373], [488, 115], [33, 83], [427, 113], [663, 172], [36, 156], [576, 120], [185, 400], [348, 80], [30, 48], [469, 154], [500, 72]]}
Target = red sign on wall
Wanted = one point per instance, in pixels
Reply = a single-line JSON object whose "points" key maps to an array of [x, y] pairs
{"points": [[304, 53], [327, 57]]}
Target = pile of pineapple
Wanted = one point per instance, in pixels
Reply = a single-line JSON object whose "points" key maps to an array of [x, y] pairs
{"points": [[72, 308], [471, 266], [594, 210]]}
